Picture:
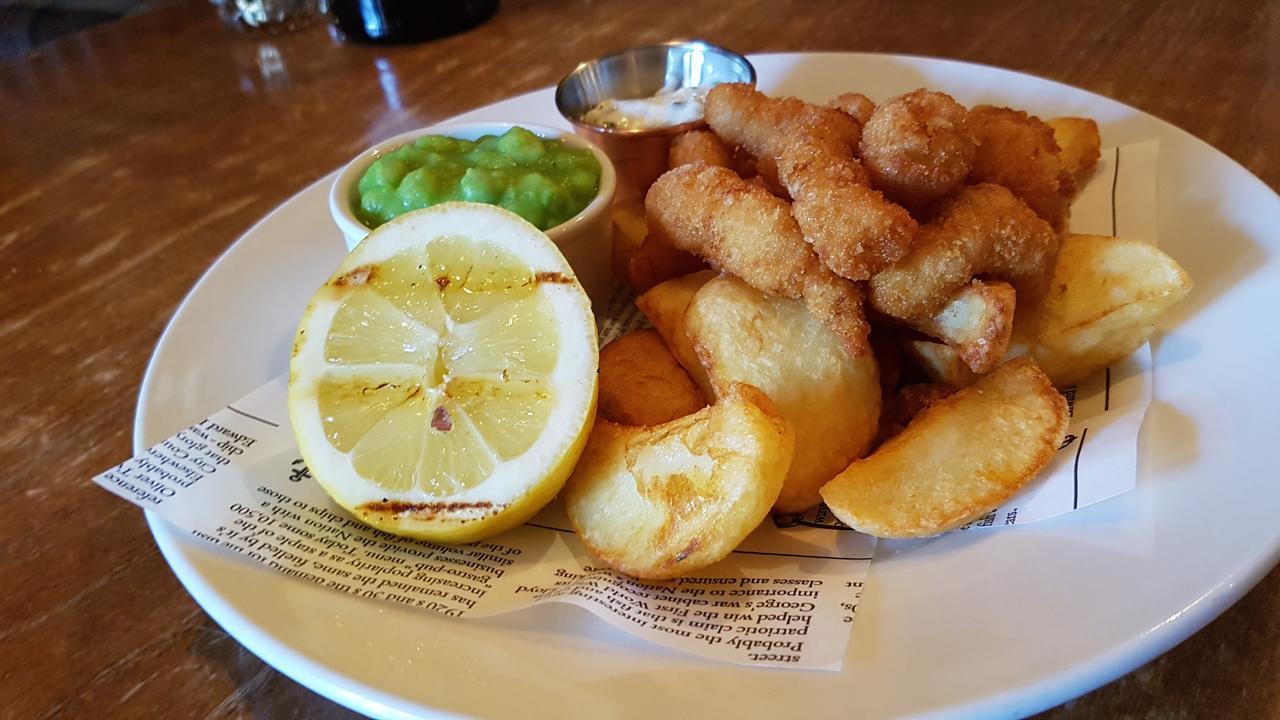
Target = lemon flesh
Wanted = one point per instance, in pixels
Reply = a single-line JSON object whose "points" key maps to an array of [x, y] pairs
{"points": [[443, 380]]}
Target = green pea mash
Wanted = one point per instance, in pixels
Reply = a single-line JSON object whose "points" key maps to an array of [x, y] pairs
{"points": [[542, 181]]}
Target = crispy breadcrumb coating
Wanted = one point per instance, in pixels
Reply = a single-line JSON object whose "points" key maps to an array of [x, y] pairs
{"points": [[740, 228], [1018, 151], [917, 147], [851, 226], [699, 147], [855, 105], [984, 230]]}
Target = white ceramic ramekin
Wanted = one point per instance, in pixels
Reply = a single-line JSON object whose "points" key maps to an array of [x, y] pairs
{"points": [[585, 239]]}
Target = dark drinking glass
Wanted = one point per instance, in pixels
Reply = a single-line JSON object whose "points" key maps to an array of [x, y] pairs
{"points": [[401, 21]]}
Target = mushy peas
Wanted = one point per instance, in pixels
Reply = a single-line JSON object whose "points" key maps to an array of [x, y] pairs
{"points": [[542, 181]]}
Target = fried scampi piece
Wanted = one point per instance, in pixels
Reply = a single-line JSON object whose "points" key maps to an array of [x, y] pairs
{"points": [[699, 147], [739, 228], [977, 322], [744, 117], [1079, 143], [957, 459], [1019, 151], [855, 105], [917, 147], [983, 230], [642, 384], [831, 131], [766, 170], [703, 147], [853, 228]]}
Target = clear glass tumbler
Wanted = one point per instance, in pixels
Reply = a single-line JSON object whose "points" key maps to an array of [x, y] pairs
{"points": [[271, 16]]}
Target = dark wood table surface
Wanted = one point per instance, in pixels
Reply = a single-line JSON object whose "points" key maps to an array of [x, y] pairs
{"points": [[133, 154]]}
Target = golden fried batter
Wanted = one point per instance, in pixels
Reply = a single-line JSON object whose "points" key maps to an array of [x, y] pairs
{"points": [[855, 105], [699, 147], [977, 322], [742, 116], [852, 227], [706, 148], [984, 230], [740, 228], [917, 147], [1018, 151]]}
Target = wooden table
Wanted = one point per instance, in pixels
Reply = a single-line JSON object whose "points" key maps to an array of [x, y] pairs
{"points": [[133, 154]]}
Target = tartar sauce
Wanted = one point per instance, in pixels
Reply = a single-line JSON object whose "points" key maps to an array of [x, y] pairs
{"points": [[667, 107]]}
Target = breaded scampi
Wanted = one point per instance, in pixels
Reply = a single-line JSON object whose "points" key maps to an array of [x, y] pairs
{"points": [[699, 147], [742, 116], [1019, 151], [917, 147], [703, 147], [983, 230], [855, 105], [977, 322], [853, 228], [740, 228]]}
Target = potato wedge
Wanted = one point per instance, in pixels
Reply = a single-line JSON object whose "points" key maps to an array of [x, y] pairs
{"points": [[629, 230], [940, 363], [664, 305], [1079, 143], [958, 459], [830, 400], [662, 501], [1103, 303], [977, 322], [642, 384], [641, 259]]}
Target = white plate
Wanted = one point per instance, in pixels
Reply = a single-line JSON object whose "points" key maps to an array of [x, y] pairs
{"points": [[998, 624]]}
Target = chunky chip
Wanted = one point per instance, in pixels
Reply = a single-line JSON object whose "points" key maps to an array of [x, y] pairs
{"points": [[1079, 143], [640, 258], [1103, 303], [642, 384], [664, 305], [656, 261], [958, 459], [830, 400], [663, 501], [629, 230]]}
